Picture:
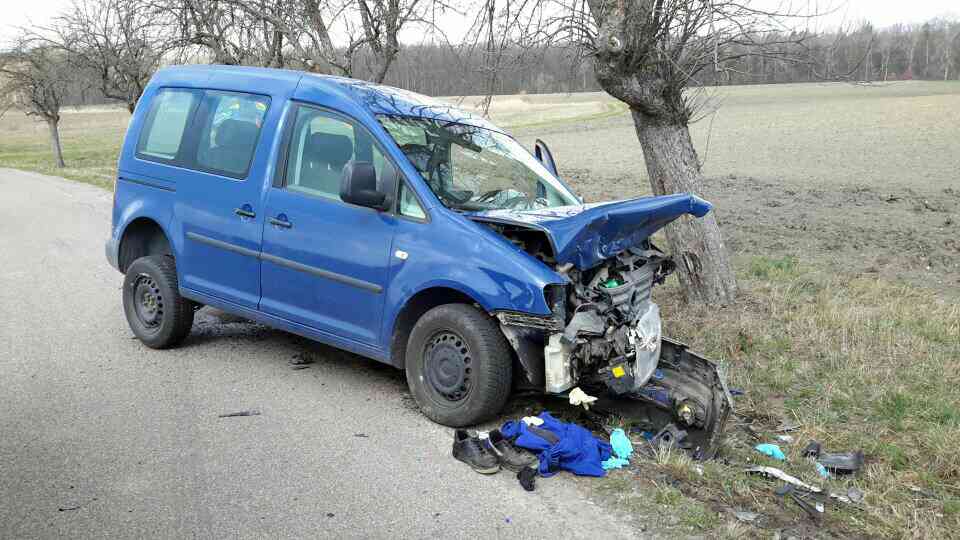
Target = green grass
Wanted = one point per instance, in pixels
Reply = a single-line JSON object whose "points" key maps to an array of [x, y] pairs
{"points": [[90, 140], [861, 364]]}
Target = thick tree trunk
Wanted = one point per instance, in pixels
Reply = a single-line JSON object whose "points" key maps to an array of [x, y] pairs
{"points": [[54, 125], [706, 275]]}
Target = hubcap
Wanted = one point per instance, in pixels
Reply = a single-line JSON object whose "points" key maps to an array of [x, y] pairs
{"points": [[447, 365], [147, 301]]}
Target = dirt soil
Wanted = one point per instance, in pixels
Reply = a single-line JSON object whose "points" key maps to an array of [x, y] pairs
{"points": [[864, 177], [904, 233]]}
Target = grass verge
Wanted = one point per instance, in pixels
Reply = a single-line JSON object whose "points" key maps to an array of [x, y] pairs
{"points": [[91, 160], [859, 364]]}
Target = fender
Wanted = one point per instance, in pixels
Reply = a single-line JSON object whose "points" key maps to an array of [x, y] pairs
{"points": [[135, 200], [452, 252]]}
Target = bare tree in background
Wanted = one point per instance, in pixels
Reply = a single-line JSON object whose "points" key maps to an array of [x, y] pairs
{"points": [[497, 30], [122, 41], [332, 36], [226, 32], [646, 54], [35, 78]]}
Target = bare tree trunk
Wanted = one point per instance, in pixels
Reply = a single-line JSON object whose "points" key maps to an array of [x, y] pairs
{"points": [[705, 272], [54, 125]]}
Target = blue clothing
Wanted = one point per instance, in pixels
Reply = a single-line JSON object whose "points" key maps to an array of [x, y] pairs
{"points": [[560, 446]]}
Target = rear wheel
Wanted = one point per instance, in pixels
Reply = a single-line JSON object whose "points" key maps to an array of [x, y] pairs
{"points": [[155, 311], [458, 365]]}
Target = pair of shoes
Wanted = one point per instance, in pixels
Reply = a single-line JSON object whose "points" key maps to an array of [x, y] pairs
{"points": [[487, 455]]}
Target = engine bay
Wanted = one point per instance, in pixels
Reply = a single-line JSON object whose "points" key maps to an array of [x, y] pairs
{"points": [[605, 336]]}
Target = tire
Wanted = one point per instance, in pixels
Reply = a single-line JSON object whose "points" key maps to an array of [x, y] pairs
{"points": [[459, 365], [157, 314]]}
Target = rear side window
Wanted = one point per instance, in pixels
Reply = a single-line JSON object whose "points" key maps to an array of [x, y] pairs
{"points": [[229, 131], [166, 123]]}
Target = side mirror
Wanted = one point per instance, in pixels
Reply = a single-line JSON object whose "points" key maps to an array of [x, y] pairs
{"points": [[543, 155], [359, 186]]}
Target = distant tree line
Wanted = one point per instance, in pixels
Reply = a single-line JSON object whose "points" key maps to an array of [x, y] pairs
{"points": [[929, 51]]}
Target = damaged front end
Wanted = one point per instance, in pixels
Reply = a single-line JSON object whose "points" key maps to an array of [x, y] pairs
{"points": [[605, 332]]}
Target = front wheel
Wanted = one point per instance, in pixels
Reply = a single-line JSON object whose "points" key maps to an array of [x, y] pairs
{"points": [[157, 314], [458, 365]]}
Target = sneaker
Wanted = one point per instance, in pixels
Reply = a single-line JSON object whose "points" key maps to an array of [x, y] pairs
{"points": [[468, 449], [511, 457]]}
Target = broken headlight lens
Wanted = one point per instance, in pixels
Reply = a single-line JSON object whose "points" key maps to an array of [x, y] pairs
{"points": [[555, 295], [645, 337]]}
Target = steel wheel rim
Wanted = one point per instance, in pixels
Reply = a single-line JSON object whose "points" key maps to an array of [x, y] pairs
{"points": [[448, 366], [147, 302]]}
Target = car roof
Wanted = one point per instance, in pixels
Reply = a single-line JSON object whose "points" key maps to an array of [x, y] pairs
{"points": [[375, 98]]}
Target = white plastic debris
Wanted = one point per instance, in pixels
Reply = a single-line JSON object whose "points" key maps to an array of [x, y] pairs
{"points": [[532, 420], [777, 473], [579, 397], [746, 517]]}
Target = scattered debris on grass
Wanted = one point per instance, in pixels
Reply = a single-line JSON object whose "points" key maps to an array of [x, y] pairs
{"points": [[745, 516]]}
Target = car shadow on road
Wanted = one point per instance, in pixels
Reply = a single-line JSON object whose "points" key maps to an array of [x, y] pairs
{"points": [[214, 328]]}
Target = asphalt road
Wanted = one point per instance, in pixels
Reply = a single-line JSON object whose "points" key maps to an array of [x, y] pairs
{"points": [[103, 437]]}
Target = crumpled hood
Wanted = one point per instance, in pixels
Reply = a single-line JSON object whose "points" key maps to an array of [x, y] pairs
{"points": [[587, 234]]}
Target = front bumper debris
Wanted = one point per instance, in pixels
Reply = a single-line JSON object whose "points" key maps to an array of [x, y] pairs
{"points": [[692, 389]]}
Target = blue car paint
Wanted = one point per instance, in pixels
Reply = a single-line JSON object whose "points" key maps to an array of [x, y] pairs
{"points": [[587, 234], [447, 250]]}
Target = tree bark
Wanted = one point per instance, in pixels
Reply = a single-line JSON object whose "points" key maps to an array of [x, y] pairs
{"points": [[54, 125], [705, 273]]}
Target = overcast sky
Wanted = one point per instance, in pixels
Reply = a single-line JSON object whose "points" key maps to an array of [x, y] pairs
{"points": [[879, 12]]}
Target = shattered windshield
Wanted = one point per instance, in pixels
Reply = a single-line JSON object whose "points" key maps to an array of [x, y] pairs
{"points": [[472, 168]]}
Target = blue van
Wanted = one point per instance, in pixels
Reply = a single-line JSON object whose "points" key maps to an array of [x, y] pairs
{"points": [[399, 228]]}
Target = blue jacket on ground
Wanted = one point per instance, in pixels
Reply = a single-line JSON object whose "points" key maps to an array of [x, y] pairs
{"points": [[560, 446]]}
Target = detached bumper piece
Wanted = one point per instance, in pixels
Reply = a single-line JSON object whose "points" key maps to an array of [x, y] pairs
{"points": [[689, 387]]}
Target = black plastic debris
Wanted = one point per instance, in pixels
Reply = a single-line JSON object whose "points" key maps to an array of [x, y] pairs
{"points": [[671, 435], [301, 359], [528, 477], [252, 412], [814, 509], [839, 463], [845, 463], [812, 449]]}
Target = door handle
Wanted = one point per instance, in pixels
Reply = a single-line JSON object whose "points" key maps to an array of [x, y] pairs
{"points": [[280, 222], [245, 212]]}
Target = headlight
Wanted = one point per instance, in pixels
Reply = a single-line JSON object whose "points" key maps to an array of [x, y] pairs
{"points": [[645, 337], [555, 295]]}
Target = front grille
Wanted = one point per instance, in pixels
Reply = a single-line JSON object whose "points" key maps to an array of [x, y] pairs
{"points": [[541, 322]]}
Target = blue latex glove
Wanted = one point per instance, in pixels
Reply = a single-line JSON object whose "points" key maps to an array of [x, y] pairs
{"points": [[771, 450], [622, 450], [622, 447], [614, 463]]}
